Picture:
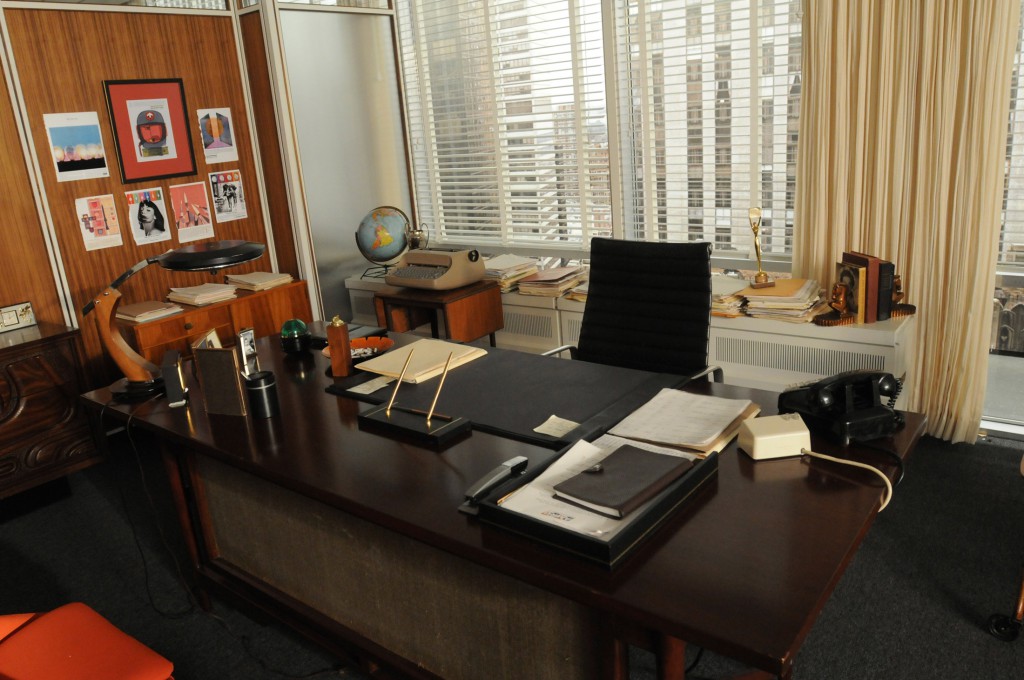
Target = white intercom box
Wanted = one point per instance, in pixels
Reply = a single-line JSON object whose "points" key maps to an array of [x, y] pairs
{"points": [[774, 436]]}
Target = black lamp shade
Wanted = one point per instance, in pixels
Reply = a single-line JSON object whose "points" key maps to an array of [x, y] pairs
{"points": [[210, 255]]}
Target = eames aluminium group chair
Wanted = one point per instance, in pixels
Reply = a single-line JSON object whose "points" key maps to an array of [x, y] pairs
{"points": [[648, 307]]}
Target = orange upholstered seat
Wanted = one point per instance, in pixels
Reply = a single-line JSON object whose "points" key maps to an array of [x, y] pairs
{"points": [[73, 642]]}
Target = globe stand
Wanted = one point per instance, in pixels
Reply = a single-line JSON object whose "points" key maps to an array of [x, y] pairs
{"points": [[377, 272]]}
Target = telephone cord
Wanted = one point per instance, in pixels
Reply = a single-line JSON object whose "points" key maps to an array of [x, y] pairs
{"points": [[888, 484]]}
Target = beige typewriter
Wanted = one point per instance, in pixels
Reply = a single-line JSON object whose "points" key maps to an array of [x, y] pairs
{"points": [[436, 269]]}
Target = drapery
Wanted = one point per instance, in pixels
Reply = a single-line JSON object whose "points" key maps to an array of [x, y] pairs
{"points": [[902, 141]]}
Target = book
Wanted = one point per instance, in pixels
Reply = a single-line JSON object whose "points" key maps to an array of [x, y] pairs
{"points": [[552, 282], [886, 278], [202, 295], [147, 311], [622, 481], [258, 280], [853, 277], [870, 264], [428, 359]]}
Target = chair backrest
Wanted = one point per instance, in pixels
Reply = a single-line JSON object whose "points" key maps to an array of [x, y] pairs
{"points": [[648, 306]]}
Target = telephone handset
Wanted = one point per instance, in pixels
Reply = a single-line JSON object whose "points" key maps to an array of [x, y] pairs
{"points": [[848, 405]]}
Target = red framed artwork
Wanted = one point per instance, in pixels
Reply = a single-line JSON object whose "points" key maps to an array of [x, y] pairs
{"points": [[151, 134]]}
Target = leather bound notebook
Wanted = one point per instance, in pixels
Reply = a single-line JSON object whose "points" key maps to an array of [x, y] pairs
{"points": [[623, 481]]}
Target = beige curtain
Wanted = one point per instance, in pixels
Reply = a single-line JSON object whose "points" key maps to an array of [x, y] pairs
{"points": [[903, 128]]}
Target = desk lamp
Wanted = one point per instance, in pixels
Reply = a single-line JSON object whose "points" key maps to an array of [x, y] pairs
{"points": [[142, 378]]}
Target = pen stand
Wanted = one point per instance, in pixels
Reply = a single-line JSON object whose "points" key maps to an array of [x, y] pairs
{"points": [[427, 428], [412, 425]]}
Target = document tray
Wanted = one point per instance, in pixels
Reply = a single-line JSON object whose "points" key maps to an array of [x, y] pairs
{"points": [[640, 525]]}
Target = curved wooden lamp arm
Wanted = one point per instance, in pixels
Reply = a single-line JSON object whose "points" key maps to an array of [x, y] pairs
{"points": [[135, 367]]}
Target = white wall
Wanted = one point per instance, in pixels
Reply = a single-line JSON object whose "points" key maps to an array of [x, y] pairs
{"points": [[344, 94]]}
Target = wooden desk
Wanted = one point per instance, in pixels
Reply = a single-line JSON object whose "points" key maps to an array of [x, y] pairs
{"points": [[468, 313], [355, 541]]}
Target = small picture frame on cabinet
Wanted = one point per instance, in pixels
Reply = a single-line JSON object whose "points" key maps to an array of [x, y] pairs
{"points": [[17, 316]]}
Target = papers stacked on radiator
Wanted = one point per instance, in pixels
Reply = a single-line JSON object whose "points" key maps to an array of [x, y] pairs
{"points": [[508, 270], [552, 282], [794, 300]]}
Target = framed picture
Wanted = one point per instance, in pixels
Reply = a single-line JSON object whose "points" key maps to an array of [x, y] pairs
{"points": [[17, 316], [152, 136]]}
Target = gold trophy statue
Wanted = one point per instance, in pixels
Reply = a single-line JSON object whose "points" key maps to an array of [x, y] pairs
{"points": [[761, 279]]}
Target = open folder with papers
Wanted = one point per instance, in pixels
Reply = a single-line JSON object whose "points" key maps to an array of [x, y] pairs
{"points": [[429, 357]]}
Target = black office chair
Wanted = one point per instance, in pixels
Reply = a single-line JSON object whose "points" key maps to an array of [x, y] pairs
{"points": [[648, 307]]}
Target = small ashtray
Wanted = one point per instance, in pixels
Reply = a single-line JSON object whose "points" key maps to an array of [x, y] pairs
{"points": [[365, 348]]}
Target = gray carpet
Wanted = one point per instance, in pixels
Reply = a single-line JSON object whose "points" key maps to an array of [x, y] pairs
{"points": [[945, 555]]}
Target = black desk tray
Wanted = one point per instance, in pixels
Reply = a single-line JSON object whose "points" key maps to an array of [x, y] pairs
{"points": [[642, 524]]}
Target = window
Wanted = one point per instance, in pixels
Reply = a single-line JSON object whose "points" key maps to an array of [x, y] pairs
{"points": [[509, 118], [1011, 239]]}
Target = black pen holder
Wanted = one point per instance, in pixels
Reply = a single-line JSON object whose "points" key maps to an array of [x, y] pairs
{"points": [[261, 388]]}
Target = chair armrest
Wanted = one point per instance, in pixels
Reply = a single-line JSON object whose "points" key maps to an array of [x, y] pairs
{"points": [[716, 373], [558, 350]]}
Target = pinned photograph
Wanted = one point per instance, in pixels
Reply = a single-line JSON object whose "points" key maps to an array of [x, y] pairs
{"points": [[76, 145], [218, 135], [148, 216], [228, 196], [97, 217], [190, 206]]}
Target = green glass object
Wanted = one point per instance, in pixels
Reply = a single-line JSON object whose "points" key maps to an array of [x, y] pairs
{"points": [[295, 336]]}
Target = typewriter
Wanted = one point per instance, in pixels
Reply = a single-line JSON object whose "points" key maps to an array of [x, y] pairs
{"points": [[437, 269]]}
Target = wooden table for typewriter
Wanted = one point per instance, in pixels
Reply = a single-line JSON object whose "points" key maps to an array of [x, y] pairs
{"points": [[468, 313]]}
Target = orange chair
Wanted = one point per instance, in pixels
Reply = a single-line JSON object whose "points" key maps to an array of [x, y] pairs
{"points": [[73, 642]]}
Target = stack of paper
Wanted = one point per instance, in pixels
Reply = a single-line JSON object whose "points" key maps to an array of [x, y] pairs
{"points": [[725, 296], [552, 282], [429, 357], [258, 280], [795, 300], [202, 295], [508, 270], [578, 293], [147, 311], [709, 424]]}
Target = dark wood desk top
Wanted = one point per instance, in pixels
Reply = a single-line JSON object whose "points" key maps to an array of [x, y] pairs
{"points": [[743, 571]]}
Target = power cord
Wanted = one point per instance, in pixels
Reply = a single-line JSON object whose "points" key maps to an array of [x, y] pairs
{"points": [[888, 484]]}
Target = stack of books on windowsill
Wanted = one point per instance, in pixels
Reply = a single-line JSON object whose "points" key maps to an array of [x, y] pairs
{"points": [[579, 293], [793, 300], [726, 300], [205, 294], [258, 280], [147, 311], [552, 282], [508, 270]]}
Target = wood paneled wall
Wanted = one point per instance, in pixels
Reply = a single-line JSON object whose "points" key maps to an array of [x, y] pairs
{"points": [[63, 57], [253, 44], [26, 274]]}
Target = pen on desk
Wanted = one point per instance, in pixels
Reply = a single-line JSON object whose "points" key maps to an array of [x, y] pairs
{"points": [[440, 384], [398, 383]]}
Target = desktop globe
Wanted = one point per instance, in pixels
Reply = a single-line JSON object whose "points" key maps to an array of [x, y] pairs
{"points": [[383, 237]]}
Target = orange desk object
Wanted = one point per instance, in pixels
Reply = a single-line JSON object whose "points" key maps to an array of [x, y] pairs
{"points": [[73, 642], [468, 313]]}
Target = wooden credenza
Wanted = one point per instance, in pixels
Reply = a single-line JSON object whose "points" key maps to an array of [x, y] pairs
{"points": [[43, 432], [264, 311]]}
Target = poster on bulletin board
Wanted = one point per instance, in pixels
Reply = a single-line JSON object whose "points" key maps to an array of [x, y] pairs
{"points": [[147, 213]]}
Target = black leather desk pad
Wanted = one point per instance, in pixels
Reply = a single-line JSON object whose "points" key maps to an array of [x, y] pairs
{"points": [[509, 393]]}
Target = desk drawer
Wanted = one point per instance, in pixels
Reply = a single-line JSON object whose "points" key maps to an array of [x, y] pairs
{"points": [[182, 326]]}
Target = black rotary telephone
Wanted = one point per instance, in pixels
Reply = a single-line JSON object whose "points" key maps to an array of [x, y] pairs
{"points": [[848, 406]]}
